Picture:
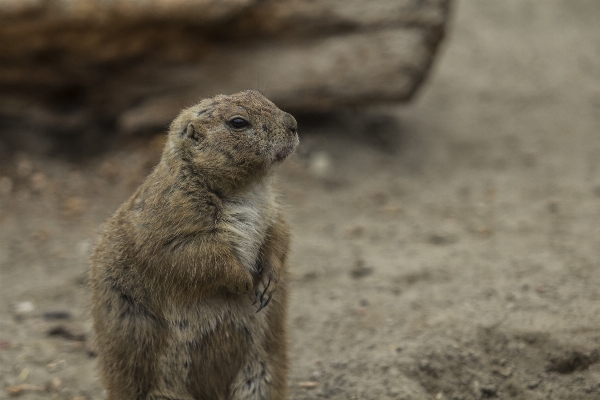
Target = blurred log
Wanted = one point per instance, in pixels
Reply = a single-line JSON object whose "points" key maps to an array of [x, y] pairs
{"points": [[73, 70]]}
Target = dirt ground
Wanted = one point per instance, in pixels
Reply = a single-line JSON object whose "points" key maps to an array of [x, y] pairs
{"points": [[444, 250]]}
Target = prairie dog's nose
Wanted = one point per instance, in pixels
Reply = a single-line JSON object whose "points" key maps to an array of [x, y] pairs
{"points": [[290, 123]]}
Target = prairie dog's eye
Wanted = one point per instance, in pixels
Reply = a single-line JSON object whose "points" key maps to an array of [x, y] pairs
{"points": [[238, 123]]}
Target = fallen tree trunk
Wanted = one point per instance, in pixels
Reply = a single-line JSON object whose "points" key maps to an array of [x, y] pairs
{"points": [[74, 70]]}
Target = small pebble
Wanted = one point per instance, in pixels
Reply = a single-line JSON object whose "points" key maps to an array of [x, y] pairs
{"points": [[56, 382], [355, 231], [24, 374], [308, 384], [56, 365], [484, 231], [359, 270], [19, 389], [22, 308], [488, 391], [391, 209], [309, 276], [441, 239], [320, 165], [533, 384], [553, 206], [67, 333], [58, 314]]}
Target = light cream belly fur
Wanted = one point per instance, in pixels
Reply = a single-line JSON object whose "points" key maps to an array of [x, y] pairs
{"points": [[247, 218]]}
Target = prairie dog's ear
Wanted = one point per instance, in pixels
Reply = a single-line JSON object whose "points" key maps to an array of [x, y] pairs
{"points": [[192, 132], [190, 123]]}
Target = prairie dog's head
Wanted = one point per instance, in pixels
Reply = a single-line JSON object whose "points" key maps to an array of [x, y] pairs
{"points": [[243, 133]]}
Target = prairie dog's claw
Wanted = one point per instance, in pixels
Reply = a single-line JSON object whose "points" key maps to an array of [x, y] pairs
{"points": [[264, 291], [264, 302]]}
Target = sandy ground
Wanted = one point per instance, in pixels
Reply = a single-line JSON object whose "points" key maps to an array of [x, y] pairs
{"points": [[445, 250]]}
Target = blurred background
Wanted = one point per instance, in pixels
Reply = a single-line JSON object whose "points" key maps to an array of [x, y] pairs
{"points": [[444, 199], [75, 73]]}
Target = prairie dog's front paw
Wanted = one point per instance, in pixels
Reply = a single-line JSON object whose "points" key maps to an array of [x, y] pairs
{"points": [[240, 281], [267, 285]]}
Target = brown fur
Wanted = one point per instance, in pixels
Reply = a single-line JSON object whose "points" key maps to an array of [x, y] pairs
{"points": [[179, 265]]}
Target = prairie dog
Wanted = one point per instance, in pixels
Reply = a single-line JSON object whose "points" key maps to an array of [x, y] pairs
{"points": [[184, 265]]}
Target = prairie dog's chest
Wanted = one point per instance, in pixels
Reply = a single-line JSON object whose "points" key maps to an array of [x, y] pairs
{"points": [[246, 220]]}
